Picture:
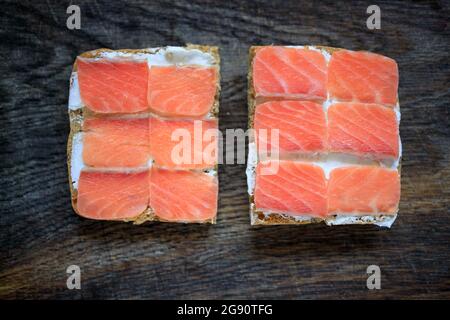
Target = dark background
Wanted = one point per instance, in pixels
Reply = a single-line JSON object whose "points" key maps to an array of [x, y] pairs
{"points": [[40, 234]]}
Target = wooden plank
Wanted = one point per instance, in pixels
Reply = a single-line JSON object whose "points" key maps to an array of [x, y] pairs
{"points": [[40, 234]]}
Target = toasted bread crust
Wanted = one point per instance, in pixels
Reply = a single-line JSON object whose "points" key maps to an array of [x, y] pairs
{"points": [[77, 116]]}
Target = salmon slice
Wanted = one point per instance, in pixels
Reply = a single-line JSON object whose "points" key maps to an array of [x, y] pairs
{"points": [[363, 77], [112, 195], [113, 86], [184, 144], [115, 143], [363, 190], [301, 124], [290, 73], [183, 196], [363, 129], [181, 91], [295, 188]]}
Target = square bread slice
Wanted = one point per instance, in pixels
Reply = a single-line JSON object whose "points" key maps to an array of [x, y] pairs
{"points": [[190, 55], [301, 92]]}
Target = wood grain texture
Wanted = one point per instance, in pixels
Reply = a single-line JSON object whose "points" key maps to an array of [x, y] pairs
{"points": [[40, 234]]}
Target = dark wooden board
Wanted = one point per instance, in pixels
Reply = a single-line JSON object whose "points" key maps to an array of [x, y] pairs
{"points": [[40, 234]]}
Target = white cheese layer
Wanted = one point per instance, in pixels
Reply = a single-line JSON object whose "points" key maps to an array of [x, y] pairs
{"points": [[166, 56], [180, 56], [74, 93], [76, 159], [252, 161], [384, 221]]}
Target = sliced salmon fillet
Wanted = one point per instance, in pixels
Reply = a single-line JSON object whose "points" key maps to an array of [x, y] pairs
{"points": [[363, 190], [181, 91], [116, 142], [301, 124], [363, 129], [184, 144], [113, 85], [363, 77], [183, 196], [295, 188], [291, 73], [112, 195]]}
